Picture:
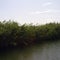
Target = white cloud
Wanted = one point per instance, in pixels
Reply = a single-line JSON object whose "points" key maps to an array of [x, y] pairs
{"points": [[46, 11], [57, 11], [40, 12], [46, 4]]}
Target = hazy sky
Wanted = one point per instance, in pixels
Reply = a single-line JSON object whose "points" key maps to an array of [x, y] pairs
{"points": [[30, 11]]}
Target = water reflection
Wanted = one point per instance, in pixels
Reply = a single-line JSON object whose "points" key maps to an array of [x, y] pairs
{"points": [[49, 51]]}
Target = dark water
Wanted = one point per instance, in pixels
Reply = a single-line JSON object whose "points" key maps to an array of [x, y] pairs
{"points": [[48, 51]]}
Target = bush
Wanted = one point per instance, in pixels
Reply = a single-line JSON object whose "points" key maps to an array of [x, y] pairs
{"points": [[12, 34]]}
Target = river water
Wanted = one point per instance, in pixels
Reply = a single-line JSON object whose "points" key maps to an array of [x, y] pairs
{"points": [[47, 51]]}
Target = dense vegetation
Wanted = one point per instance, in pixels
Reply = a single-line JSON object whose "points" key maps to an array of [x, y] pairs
{"points": [[14, 35]]}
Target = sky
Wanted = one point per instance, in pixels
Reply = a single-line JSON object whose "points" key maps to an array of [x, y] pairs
{"points": [[30, 11]]}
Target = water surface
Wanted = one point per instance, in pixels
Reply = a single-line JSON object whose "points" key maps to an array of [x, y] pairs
{"points": [[47, 51]]}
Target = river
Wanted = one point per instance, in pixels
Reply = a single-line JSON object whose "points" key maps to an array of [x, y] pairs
{"points": [[46, 51]]}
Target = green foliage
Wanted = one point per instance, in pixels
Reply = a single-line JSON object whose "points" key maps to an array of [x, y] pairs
{"points": [[12, 35]]}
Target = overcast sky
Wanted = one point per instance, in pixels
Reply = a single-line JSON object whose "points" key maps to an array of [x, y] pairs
{"points": [[30, 11]]}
